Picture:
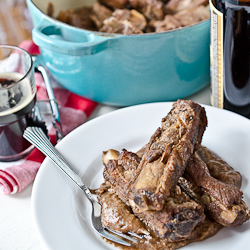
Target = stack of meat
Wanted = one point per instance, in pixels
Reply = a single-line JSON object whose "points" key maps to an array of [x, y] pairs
{"points": [[178, 189], [135, 16]]}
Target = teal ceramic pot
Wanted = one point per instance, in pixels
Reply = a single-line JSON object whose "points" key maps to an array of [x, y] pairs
{"points": [[122, 70]]}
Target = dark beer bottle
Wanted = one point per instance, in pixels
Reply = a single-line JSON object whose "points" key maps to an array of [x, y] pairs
{"points": [[221, 5], [231, 67]]}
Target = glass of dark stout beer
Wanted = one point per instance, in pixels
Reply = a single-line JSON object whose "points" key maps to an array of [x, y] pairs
{"points": [[17, 100]]}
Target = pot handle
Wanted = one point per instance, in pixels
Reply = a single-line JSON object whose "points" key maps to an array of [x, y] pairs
{"points": [[50, 36]]}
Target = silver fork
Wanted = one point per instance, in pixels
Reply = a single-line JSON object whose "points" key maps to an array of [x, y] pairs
{"points": [[37, 137]]}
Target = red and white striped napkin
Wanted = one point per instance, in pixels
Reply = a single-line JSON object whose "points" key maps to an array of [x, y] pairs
{"points": [[74, 111]]}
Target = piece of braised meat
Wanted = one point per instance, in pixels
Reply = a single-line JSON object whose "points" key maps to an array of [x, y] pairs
{"points": [[133, 16], [167, 155], [169, 23], [174, 6], [50, 9], [125, 220], [191, 16], [114, 4], [217, 190], [99, 14], [118, 216], [124, 21], [179, 216], [218, 168], [80, 17], [180, 19], [121, 14], [151, 9], [113, 25], [120, 168]]}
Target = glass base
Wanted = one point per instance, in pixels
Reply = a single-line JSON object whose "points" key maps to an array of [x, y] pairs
{"points": [[16, 157]]}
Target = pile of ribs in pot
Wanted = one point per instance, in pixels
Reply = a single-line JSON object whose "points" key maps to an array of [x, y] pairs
{"points": [[135, 16], [173, 191]]}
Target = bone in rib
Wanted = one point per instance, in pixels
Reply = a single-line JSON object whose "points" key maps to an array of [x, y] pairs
{"points": [[167, 155]]}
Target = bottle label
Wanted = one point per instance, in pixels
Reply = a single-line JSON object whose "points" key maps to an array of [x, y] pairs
{"points": [[216, 56]]}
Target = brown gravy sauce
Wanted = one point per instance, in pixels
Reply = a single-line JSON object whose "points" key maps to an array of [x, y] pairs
{"points": [[118, 216]]}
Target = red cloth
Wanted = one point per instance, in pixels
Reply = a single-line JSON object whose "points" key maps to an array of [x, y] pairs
{"points": [[74, 111]]}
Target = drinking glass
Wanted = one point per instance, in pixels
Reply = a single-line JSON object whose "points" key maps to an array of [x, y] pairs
{"points": [[17, 101]]}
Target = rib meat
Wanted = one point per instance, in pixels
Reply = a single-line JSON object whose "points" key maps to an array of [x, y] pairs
{"points": [[119, 217], [220, 196], [218, 168], [179, 216], [167, 155], [118, 171]]}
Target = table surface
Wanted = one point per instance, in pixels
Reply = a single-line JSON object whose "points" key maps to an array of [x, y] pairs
{"points": [[17, 231]]}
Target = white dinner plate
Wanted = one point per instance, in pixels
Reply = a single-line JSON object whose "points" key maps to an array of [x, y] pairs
{"points": [[62, 214]]}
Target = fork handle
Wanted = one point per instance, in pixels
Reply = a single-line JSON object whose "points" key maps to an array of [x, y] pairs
{"points": [[37, 137]]}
